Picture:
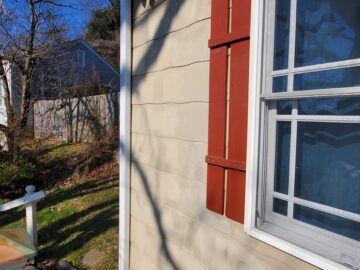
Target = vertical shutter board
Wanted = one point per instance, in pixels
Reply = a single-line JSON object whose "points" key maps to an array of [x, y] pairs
{"points": [[219, 18], [217, 101], [239, 85], [241, 12], [217, 127], [215, 189], [239, 73], [235, 195]]}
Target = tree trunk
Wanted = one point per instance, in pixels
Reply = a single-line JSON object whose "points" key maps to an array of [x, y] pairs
{"points": [[13, 142]]}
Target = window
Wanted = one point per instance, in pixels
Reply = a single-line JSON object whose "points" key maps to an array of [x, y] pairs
{"points": [[80, 59], [308, 184]]}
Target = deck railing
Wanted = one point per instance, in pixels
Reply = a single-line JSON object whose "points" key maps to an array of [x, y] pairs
{"points": [[30, 201]]}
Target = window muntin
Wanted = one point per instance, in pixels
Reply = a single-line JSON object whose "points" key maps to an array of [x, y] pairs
{"points": [[311, 175]]}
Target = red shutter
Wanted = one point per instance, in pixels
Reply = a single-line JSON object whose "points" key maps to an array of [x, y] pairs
{"points": [[228, 165]]}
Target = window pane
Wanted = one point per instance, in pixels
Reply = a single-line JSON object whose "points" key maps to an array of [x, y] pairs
{"points": [[281, 46], [280, 206], [339, 225], [328, 164], [284, 107], [280, 84], [330, 106], [281, 181], [327, 31], [344, 77]]}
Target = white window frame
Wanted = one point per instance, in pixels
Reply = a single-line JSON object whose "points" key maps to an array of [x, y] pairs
{"points": [[255, 122]]}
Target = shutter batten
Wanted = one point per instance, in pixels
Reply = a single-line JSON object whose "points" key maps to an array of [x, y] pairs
{"points": [[233, 165]]}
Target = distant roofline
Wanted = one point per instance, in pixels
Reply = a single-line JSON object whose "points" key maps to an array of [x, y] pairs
{"points": [[103, 59]]}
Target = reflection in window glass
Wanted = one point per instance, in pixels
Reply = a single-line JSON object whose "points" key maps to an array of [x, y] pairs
{"points": [[284, 107], [281, 182], [280, 206], [336, 78], [282, 23], [330, 106], [328, 164], [336, 224], [327, 31], [280, 84]]}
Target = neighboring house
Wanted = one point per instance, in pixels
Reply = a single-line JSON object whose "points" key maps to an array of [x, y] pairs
{"points": [[62, 71], [269, 93]]}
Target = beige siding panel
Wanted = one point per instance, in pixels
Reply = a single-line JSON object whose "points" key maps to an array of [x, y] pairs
{"points": [[180, 158], [213, 248], [142, 7], [169, 18], [182, 121], [177, 49], [185, 196], [178, 85], [182, 259]]}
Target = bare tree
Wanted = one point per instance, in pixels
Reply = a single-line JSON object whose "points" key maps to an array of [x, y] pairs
{"points": [[27, 29]]}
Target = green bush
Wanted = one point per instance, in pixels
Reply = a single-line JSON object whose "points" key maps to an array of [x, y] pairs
{"points": [[12, 172]]}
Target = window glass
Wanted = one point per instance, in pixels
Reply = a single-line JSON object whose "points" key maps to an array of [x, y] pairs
{"points": [[280, 206], [336, 78], [284, 107], [327, 31], [328, 164], [330, 106], [282, 26], [280, 84], [282, 157], [326, 221]]}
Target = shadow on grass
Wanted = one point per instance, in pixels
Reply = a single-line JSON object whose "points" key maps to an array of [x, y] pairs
{"points": [[59, 196], [73, 232], [95, 211]]}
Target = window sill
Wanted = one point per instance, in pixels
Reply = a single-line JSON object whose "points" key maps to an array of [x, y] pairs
{"points": [[295, 251]]}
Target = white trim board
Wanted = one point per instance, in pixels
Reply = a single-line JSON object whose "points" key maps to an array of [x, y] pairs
{"points": [[125, 133]]}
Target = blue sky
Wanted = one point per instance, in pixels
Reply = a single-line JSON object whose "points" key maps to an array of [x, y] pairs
{"points": [[76, 17]]}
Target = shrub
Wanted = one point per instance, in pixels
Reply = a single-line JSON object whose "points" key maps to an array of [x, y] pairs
{"points": [[13, 172]]}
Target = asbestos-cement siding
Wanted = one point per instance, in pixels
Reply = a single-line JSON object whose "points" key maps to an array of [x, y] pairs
{"points": [[170, 226]]}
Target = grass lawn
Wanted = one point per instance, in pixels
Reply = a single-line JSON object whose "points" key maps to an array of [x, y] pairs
{"points": [[80, 211]]}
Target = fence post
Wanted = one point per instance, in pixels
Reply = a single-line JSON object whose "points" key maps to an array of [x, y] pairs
{"points": [[31, 222]]}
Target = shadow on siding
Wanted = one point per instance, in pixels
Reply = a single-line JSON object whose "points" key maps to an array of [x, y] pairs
{"points": [[152, 53]]}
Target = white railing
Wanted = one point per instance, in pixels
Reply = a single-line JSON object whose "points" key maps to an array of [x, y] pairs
{"points": [[29, 200]]}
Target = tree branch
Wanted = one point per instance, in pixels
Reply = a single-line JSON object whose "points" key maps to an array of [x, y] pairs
{"points": [[55, 3]]}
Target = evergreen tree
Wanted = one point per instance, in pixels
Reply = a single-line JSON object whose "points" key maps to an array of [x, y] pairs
{"points": [[103, 29]]}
